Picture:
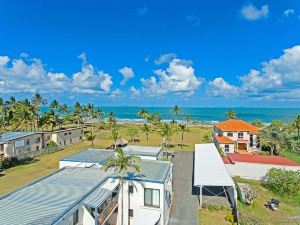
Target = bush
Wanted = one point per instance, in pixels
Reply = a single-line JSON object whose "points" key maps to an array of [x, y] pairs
{"points": [[5, 163], [14, 161], [283, 182]]}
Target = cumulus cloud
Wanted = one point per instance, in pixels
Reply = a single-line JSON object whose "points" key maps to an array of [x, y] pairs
{"points": [[288, 12], [179, 77], [30, 75], [127, 73], [219, 87], [116, 93], [165, 58], [250, 12], [277, 75], [134, 92]]}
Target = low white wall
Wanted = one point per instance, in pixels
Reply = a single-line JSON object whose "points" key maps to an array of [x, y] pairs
{"points": [[254, 171]]}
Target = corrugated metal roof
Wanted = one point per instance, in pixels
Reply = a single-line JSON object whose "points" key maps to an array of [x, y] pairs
{"points": [[97, 197], [142, 150], [44, 201], [14, 135], [152, 171], [90, 155]]}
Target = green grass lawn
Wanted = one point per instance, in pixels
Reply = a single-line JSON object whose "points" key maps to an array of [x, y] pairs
{"points": [[22, 174], [288, 213], [292, 155]]}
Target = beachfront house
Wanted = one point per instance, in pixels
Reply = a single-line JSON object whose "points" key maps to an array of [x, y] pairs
{"points": [[20, 144], [236, 136], [147, 194]]}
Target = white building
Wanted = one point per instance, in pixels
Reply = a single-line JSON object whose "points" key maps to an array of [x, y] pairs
{"points": [[20, 144], [66, 137], [144, 152], [236, 136]]}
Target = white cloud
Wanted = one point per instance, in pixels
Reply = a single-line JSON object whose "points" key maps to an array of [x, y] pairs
{"points": [[179, 77], [166, 58], [29, 75], [127, 73], [219, 87], [288, 12], [134, 92], [116, 93], [250, 12], [279, 75]]}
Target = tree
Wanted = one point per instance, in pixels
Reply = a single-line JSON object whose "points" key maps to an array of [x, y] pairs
{"points": [[258, 123], [166, 132], [90, 137], [154, 119], [296, 125], [142, 113], [146, 129], [187, 119], [37, 100], [183, 128], [122, 163], [176, 110], [49, 119], [23, 116], [52, 146], [274, 137], [112, 121], [133, 133], [114, 136], [230, 114]]}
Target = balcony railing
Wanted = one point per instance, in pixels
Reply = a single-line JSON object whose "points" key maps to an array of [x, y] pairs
{"points": [[105, 212]]}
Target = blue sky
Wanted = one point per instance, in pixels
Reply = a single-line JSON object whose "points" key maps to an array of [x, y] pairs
{"points": [[152, 53]]}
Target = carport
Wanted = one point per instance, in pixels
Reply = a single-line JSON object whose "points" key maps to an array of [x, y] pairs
{"points": [[210, 174]]}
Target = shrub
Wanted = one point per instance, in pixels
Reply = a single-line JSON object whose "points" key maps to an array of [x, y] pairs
{"points": [[283, 182], [14, 161], [5, 163]]}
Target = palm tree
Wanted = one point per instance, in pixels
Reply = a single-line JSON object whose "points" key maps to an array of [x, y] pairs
{"points": [[183, 128], [176, 110], [122, 163], [258, 123], [166, 132], [230, 114], [114, 136], [154, 118], [296, 124], [142, 113], [146, 129], [23, 116], [49, 119], [54, 105], [187, 119], [132, 133], [37, 100], [112, 121]]}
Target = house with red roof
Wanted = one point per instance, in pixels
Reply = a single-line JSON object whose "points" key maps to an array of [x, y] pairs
{"points": [[236, 136]]}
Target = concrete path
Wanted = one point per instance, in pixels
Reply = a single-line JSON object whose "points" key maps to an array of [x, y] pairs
{"points": [[185, 208]]}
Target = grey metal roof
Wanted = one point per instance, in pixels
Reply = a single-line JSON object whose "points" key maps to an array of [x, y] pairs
{"points": [[90, 155], [151, 171], [142, 150], [46, 200], [14, 135]]}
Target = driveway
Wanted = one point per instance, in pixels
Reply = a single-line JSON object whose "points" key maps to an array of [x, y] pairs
{"points": [[185, 205]]}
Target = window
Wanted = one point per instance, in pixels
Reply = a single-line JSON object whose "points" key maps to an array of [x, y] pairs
{"points": [[230, 134], [81, 131], [75, 218], [130, 189], [66, 134], [70, 133], [226, 148], [80, 137], [65, 142], [37, 148], [251, 140], [38, 140], [151, 197], [130, 212], [241, 135], [27, 142]]}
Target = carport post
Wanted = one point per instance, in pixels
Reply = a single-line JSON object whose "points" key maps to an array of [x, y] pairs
{"points": [[201, 196]]}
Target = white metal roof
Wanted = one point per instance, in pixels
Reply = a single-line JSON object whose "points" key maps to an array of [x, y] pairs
{"points": [[146, 216], [209, 169], [142, 150]]}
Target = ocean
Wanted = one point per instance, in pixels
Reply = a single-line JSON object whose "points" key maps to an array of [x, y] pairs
{"points": [[210, 115], [204, 115]]}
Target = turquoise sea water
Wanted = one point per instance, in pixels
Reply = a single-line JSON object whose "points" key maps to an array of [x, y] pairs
{"points": [[210, 114], [206, 114]]}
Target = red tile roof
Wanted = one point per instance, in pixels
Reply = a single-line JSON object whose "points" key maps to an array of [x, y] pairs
{"points": [[224, 140], [261, 159], [237, 125]]}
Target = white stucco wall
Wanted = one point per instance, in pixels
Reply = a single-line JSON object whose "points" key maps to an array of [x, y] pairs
{"points": [[75, 164], [254, 171], [231, 147]]}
